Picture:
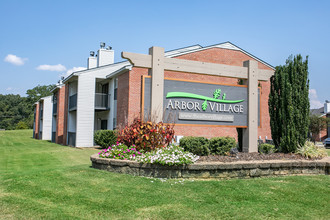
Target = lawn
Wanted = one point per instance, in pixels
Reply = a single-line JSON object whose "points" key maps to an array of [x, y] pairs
{"points": [[42, 180]]}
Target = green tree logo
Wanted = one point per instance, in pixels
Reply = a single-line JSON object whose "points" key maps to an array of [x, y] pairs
{"points": [[217, 93], [204, 105]]}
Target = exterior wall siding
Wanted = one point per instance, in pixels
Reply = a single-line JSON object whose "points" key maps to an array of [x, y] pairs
{"points": [[85, 111], [213, 55], [47, 118]]}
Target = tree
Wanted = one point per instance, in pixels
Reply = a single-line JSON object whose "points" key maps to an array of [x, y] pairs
{"points": [[38, 92], [316, 125], [289, 104], [15, 109]]}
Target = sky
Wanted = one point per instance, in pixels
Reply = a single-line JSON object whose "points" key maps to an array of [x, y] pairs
{"points": [[44, 40]]}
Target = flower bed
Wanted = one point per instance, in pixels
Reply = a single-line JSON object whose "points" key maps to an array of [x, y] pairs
{"points": [[170, 155], [214, 170]]}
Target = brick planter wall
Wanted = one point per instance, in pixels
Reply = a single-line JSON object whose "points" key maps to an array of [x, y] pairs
{"points": [[240, 169]]}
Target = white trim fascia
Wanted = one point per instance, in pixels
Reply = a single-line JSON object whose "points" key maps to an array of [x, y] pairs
{"points": [[226, 45], [119, 71], [177, 52], [77, 73], [56, 88]]}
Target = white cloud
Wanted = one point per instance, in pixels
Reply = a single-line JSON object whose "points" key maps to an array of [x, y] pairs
{"points": [[9, 89], [314, 100], [73, 69], [13, 59], [57, 68]]}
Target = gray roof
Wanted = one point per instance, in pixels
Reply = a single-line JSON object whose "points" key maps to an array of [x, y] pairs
{"points": [[317, 111]]}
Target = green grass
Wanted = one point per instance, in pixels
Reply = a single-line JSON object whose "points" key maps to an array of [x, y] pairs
{"points": [[42, 180]]}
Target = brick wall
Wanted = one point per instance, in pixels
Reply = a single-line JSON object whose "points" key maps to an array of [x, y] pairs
{"points": [[65, 110], [213, 55], [123, 94], [60, 115], [36, 129]]}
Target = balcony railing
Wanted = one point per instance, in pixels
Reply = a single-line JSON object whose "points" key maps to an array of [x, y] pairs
{"points": [[73, 102], [72, 139], [102, 101], [55, 108], [53, 136]]}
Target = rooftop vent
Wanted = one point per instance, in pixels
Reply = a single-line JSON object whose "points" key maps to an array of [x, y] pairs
{"points": [[102, 45], [109, 48], [92, 53]]}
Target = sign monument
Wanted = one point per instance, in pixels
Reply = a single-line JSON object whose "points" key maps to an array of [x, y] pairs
{"points": [[156, 62]]}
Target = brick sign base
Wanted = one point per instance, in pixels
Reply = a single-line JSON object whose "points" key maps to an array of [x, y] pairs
{"points": [[215, 170]]}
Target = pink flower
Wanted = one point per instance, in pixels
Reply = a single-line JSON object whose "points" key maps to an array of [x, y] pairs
{"points": [[118, 154], [127, 150], [124, 152], [133, 155], [114, 157]]}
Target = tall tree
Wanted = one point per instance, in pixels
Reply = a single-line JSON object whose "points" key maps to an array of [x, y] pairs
{"points": [[38, 92], [289, 104], [17, 111]]}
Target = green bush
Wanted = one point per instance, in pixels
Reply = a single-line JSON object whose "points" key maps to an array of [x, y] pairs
{"points": [[309, 150], [105, 138], [266, 148], [21, 125], [195, 145], [221, 145]]}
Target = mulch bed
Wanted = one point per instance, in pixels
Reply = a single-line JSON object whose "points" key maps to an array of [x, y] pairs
{"points": [[250, 156]]}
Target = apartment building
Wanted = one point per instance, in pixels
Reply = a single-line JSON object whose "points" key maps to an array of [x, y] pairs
{"points": [[108, 95], [42, 125], [323, 112]]}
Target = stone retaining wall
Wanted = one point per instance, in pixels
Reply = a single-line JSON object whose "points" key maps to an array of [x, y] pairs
{"points": [[216, 170]]}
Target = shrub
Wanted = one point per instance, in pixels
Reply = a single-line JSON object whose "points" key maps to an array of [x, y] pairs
{"points": [[146, 135], [170, 155], [120, 151], [195, 145], [221, 145], [105, 138], [289, 104], [309, 150], [21, 125], [266, 148]]}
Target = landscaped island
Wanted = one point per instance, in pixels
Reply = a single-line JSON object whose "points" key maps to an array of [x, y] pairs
{"points": [[152, 155]]}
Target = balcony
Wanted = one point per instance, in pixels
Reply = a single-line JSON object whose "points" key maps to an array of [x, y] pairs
{"points": [[41, 114], [55, 108], [102, 101], [72, 139], [53, 136], [73, 102]]}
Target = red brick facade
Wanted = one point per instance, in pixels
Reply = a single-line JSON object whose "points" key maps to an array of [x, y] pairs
{"points": [[123, 95], [66, 106], [36, 125], [130, 85], [61, 114]]}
